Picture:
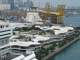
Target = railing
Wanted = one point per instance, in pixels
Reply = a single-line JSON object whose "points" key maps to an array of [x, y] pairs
{"points": [[4, 51]]}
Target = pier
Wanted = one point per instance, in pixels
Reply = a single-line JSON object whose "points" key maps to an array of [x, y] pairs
{"points": [[52, 54]]}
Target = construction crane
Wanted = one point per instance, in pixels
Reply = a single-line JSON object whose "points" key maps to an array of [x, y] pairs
{"points": [[60, 10]]}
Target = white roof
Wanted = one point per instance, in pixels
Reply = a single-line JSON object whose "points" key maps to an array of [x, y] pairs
{"points": [[26, 44], [57, 29], [14, 36], [19, 57], [14, 25], [34, 59], [3, 22], [40, 38], [45, 28], [39, 23], [33, 17], [30, 57]]}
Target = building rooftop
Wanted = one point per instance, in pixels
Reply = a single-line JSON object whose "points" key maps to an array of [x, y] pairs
{"points": [[57, 29], [3, 22]]}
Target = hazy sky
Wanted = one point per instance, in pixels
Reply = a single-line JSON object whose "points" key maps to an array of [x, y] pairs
{"points": [[74, 3]]}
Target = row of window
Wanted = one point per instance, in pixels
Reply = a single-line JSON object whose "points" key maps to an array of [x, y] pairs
{"points": [[2, 26], [5, 31], [5, 38], [5, 48], [5, 34]]}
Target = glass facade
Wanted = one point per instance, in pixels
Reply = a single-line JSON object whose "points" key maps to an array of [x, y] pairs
{"points": [[11, 2], [18, 4], [4, 41], [5, 1]]}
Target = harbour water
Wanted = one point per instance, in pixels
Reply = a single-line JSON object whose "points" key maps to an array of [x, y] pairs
{"points": [[72, 52], [72, 21]]}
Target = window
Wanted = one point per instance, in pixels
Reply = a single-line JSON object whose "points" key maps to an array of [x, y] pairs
{"points": [[6, 25], [4, 30], [5, 34], [1, 26]]}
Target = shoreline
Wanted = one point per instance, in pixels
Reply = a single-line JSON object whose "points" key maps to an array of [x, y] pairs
{"points": [[52, 54]]}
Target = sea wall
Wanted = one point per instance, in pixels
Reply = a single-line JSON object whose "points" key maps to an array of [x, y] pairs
{"points": [[52, 54]]}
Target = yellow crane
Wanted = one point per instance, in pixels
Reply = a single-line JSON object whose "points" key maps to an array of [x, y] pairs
{"points": [[60, 10]]}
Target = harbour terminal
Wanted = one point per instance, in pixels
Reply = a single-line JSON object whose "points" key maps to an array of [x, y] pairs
{"points": [[34, 33]]}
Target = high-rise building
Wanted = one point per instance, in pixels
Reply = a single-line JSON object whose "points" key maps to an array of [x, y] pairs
{"points": [[4, 5], [11, 2], [4, 1], [23, 4], [18, 4], [29, 3]]}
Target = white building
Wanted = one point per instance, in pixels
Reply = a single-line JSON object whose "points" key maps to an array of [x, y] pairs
{"points": [[57, 29], [5, 32], [4, 6], [33, 18], [17, 25]]}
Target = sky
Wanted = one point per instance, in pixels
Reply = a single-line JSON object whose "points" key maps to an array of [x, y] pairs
{"points": [[68, 3]]}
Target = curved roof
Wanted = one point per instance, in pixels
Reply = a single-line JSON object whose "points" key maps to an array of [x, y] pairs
{"points": [[3, 22]]}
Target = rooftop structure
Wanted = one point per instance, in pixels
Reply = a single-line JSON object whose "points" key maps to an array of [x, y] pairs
{"points": [[57, 29], [30, 55], [18, 25], [22, 41], [33, 18]]}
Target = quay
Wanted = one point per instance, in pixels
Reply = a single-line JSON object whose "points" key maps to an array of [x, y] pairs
{"points": [[57, 51]]}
